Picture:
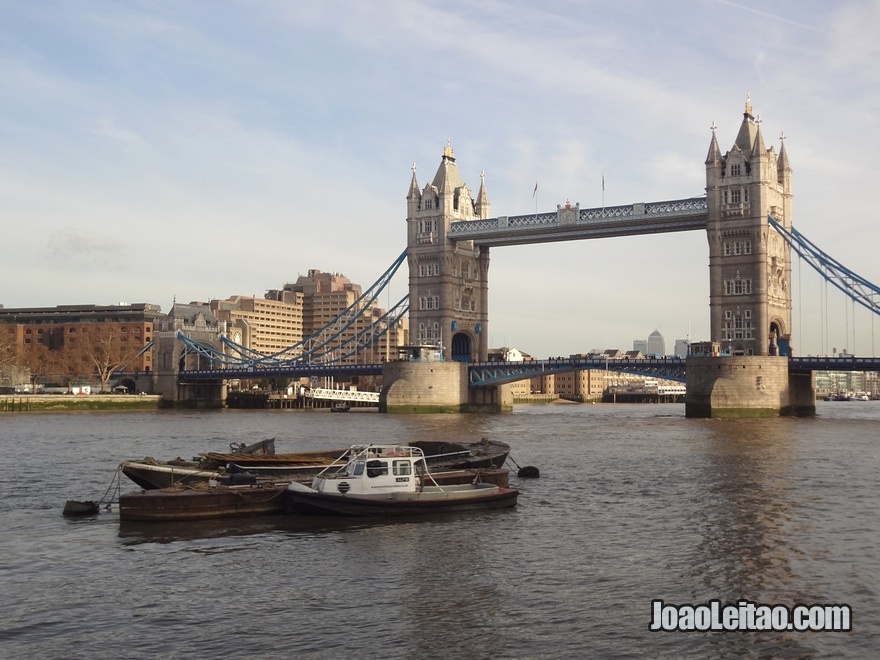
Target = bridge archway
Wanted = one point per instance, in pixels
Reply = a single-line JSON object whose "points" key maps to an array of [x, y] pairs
{"points": [[779, 339], [461, 347]]}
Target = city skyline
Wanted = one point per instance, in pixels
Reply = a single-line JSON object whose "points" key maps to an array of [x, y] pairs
{"points": [[189, 152]]}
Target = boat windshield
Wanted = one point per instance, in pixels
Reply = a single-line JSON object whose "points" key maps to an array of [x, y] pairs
{"points": [[354, 469]]}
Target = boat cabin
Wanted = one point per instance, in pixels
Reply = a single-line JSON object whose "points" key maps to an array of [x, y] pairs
{"points": [[375, 469]]}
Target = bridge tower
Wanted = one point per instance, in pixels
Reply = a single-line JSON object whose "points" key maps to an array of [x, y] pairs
{"points": [[749, 263], [749, 286], [448, 280]]}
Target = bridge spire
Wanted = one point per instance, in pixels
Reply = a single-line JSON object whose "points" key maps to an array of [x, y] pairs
{"points": [[714, 157], [783, 167], [481, 206], [745, 139], [758, 150]]}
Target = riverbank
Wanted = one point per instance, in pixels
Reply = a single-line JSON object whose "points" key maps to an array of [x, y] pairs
{"points": [[74, 403]]}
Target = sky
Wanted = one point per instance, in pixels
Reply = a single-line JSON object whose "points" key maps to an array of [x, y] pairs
{"points": [[162, 151]]}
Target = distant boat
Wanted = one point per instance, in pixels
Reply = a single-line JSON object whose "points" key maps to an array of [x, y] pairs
{"points": [[340, 406], [389, 480]]}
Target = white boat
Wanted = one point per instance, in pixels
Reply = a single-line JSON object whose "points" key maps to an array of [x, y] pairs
{"points": [[388, 480]]}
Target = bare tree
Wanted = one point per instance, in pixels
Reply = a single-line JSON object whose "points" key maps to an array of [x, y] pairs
{"points": [[8, 354], [103, 349]]}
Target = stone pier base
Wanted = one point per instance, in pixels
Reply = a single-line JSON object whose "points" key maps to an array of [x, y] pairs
{"points": [[747, 386], [188, 395], [437, 387]]}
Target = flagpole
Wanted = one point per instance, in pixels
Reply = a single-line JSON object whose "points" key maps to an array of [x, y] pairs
{"points": [[535, 195], [603, 194]]}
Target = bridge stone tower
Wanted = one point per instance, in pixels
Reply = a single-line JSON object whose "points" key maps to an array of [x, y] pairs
{"points": [[448, 280], [749, 263], [749, 286]]}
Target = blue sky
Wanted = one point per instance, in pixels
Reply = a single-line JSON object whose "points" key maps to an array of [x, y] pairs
{"points": [[194, 150]]}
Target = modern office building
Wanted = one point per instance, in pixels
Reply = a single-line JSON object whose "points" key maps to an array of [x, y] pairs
{"points": [[656, 344], [262, 324]]}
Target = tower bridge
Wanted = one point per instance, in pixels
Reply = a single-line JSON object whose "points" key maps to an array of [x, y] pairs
{"points": [[747, 216]]}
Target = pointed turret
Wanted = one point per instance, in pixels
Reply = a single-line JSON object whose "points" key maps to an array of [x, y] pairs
{"points": [[413, 196], [447, 177], [745, 139], [481, 206], [782, 164], [413, 186], [714, 156], [759, 150]]}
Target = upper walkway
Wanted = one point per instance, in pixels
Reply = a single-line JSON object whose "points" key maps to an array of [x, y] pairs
{"points": [[569, 223]]}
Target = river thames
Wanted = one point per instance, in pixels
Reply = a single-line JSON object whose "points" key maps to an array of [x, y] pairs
{"points": [[634, 503]]}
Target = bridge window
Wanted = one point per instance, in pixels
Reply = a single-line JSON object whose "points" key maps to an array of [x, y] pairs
{"points": [[737, 287], [736, 196], [429, 302], [737, 248], [738, 328], [428, 270], [735, 169]]}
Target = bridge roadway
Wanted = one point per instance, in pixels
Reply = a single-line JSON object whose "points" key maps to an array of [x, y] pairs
{"points": [[569, 223], [498, 373]]}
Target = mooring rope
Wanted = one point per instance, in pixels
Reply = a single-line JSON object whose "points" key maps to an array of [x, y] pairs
{"points": [[115, 481]]}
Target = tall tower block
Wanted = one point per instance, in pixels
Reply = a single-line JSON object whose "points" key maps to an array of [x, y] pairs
{"points": [[749, 263], [448, 280]]}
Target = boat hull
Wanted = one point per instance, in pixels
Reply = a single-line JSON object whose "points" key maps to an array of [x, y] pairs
{"points": [[460, 456], [166, 475], [303, 467], [177, 504], [302, 501]]}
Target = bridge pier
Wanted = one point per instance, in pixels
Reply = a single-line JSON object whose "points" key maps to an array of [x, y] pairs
{"points": [[437, 387], [747, 386]]}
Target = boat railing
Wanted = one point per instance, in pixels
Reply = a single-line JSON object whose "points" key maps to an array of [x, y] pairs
{"points": [[371, 452]]}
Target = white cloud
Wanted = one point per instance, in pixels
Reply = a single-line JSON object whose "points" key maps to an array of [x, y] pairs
{"points": [[207, 151]]}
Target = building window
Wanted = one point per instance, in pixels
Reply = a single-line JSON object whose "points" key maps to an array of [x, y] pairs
{"points": [[429, 302], [737, 286], [735, 169], [429, 269]]}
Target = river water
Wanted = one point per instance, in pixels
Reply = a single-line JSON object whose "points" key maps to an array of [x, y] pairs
{"points": [[634, 503]]}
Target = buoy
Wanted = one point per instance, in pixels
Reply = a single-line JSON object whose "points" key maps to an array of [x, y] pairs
{"points": [[74, 508], [529, 472]]}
